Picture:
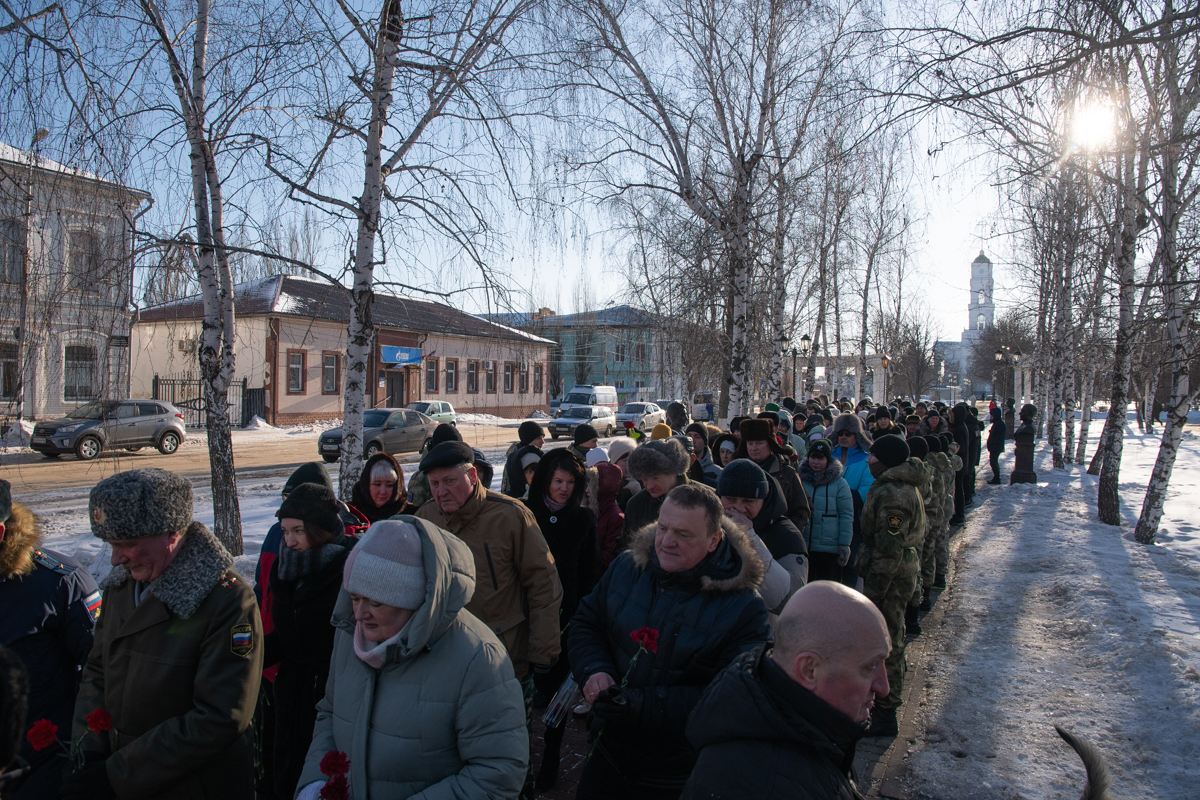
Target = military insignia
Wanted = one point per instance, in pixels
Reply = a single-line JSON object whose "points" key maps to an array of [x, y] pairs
{"points": [[895, 518], [92, 604], [242, 640]]}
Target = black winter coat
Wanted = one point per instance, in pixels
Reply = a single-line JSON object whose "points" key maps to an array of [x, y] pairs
{"points": [[513, 482], [706, 617], [642, 509], [763, 736], [976, 429], [962, 436], [302, 644], [781, 536], [997, 434]]}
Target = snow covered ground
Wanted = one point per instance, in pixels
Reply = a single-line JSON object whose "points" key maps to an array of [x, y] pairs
{"points": [[1055, 618]]}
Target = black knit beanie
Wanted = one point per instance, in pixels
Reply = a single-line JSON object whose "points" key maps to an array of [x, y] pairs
{"points": [[743, 478], [312, 472], [529, 431], [890, 449], [314, 505], [444, 433], [918, 447], [585, 433]]}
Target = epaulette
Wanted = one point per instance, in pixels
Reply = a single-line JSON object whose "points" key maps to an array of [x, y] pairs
{"points": [[50, 562]]}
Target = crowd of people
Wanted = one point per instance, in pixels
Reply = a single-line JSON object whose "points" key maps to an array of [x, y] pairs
{"points": [[733, 606]]}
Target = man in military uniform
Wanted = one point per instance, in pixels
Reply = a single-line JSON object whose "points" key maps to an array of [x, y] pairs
{"points": [[48, 609], [178, 653], [893, 530]]}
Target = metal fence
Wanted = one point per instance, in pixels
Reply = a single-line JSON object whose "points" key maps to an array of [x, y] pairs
{"points": [[187, 394]]}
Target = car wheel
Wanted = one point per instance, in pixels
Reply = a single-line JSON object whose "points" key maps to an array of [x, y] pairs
{"points": [[608, 431], [87, 448], [372, 449], [425, 445], [134, 449], [329, 459], [554, 436], [169, 443]]}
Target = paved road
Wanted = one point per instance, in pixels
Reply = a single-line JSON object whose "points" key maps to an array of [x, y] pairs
{"points": [[254, 455]]}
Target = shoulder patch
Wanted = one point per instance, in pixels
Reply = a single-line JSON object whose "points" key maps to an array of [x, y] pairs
{"points": [[50, 562], [895, 518], [241, 639], [92, 603], [228, 581]]}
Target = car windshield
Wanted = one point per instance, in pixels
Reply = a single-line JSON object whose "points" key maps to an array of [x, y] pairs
{"points": [[422, 407], [375, 418], [578, 398], [93, 410], [633, 408], [584, 413]]}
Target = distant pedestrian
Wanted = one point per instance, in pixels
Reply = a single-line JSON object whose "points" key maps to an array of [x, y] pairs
{"points": [[418, 484], [528, 448], [586, 440], [995, 443], [761, 446]]}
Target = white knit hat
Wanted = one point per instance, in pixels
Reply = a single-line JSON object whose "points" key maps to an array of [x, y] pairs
{"points": [[620, 447], [597, 456], [386, 565]]}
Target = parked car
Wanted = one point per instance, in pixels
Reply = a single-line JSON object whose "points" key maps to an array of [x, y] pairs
{"points": [[599, 417], [437, 411], [583, 395], [108, 424], [644, 416], [392, 430]]}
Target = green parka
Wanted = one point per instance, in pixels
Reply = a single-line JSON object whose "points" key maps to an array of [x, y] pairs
{"points": [[179, 673], [893, 520], [941, 472]]}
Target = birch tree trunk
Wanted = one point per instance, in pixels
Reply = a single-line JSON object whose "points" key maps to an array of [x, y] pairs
{"points": [[216, 354], [1085, 415], [361, 330]]}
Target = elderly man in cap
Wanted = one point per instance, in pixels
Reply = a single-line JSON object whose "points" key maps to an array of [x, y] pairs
{"points": [[178, 653], [48, 609], [893, 526], [517, 593]]}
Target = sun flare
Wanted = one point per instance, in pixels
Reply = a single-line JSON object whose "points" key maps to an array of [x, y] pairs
{"points": [[1092, 125]]}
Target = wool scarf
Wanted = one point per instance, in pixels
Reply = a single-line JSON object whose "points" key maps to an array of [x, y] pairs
{"points": [[293, 565]]}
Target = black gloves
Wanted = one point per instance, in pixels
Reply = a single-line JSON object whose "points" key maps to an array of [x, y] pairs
{"points": [[89, 783], [618, 706]]}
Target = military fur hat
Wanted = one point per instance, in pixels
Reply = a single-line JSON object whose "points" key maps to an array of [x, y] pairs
{"points": [[140, 503], [758, 430], [662, 457]]}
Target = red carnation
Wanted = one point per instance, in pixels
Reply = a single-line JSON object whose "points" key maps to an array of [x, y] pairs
{"points": [[43, 734], [99, 721], [336, 789], [647, 638], [335, 762]]}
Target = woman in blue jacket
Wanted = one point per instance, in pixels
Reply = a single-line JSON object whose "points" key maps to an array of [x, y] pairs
{"points": [[850, 445], [831, 528]]}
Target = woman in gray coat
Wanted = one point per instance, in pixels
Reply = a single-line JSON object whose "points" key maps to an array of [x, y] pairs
{"points": [[421, 697]]}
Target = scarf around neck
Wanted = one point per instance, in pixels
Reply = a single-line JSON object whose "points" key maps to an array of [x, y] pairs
{"points": [[293, 565], [553, 506], [371, 654]]}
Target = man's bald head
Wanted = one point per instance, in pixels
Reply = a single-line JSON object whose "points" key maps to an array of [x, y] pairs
{"points": [[833, 641]]}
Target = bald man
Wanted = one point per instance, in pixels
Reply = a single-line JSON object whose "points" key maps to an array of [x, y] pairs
{"points": [[785, 722]]}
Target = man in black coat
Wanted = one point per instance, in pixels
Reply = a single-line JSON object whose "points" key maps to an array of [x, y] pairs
{"points": [[690, 578], [784, 722], [976, 430], [995, 443], [962, 437], [48, 610]]}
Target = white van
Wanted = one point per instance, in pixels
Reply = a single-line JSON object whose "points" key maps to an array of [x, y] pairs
{"points": [[584, 395], [701, 401]]}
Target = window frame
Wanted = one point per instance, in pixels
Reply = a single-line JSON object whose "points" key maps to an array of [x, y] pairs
{"points": [[337, 371], [431, 375], [619, 353], [523, 379], [489, 378], [510, 382], [9, 369], [93, 365], [639, 354], [303, 390], [90, 282], [12, 252], [451, 376], [537, 378], [472, 376]]}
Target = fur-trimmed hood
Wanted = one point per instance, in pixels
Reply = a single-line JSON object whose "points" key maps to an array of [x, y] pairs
{"points": [[189, 578], [22, 535], [849, 422], [833, 471], [734, 566]]}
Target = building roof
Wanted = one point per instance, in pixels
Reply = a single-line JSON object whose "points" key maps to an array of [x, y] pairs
{"points": [[24, 159], [622, 316], [981, 259], [289, 295]]}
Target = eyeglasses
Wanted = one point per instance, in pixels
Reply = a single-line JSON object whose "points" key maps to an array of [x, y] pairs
{"points": [[846, 433]]}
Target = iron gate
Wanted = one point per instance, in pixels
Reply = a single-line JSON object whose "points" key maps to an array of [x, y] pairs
{"points": [[187, 394]]}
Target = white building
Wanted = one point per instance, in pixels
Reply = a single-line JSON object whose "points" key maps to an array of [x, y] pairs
{"points": [[66, 277], [981, 315]]}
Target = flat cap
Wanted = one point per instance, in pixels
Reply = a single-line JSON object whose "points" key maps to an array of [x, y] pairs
{"points": [[140, 503], [447, 454]]}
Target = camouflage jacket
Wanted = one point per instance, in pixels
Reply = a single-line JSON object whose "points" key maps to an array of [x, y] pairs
{"points": [[893, 519], [943, 487]]}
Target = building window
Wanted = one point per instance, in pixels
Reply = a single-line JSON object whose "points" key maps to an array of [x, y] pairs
{"points": [[330, 372], [508, 378], [84, 261], [980, 297], [12, 250], [537, 378], [489, 368], [295, 370], [472, 377], [79, 372], [619, 353], [639, 353], [431, 374], [980, 322], [524, 384], [8, 370], [619, 384], [451, 375]]}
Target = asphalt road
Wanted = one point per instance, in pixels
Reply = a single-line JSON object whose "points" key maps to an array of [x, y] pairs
{"points": [[253, 456]]}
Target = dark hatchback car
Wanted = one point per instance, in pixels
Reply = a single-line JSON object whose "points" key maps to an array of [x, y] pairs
{"points": [[107, 424], [392, 430]]}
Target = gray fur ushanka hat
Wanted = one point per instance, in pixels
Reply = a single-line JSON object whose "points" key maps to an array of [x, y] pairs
{"points": [[140, 503], [662, 457]]}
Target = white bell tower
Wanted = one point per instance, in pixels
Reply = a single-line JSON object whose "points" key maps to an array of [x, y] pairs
{"points": [[981, 312]]}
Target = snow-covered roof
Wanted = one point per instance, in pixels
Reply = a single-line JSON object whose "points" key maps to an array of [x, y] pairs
{"points": [[622, 316], [289, 295], [24, 159]]}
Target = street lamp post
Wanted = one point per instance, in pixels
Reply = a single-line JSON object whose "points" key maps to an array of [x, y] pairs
{"points": [[805, 349], [23, 338], [884, 361], [794, 353]]}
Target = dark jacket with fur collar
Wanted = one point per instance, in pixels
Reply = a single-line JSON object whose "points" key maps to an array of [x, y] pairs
{"points": [[179, 673], [48, 609], [706, 617]]}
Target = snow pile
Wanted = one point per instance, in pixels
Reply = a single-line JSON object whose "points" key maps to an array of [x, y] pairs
{"points": [[257, 423], [540, 415], [16, 438], [1053, 617]]}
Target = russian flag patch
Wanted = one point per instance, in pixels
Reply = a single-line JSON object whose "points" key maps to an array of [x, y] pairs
{"points": [[242, 640], [92, 603]]}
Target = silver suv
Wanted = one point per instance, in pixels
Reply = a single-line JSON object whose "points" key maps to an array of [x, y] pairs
{"points": [[107, 424]]}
